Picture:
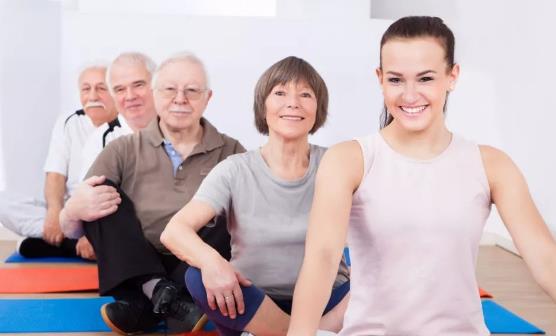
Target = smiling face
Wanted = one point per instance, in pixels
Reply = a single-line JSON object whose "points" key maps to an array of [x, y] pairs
{"points": [[291, 110], [181, 94], [132, 92], [94, 96], [415, 80]]}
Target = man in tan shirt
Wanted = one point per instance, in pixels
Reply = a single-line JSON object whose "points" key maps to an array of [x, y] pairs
{"points": [[146, 178]]}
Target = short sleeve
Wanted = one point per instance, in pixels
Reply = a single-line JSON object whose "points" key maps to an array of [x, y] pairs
{"points": [[57, 159], [91, 149], [216, 188], [110, 161]]}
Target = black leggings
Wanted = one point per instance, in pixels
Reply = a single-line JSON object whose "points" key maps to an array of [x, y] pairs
{"points": [[252, 297]]}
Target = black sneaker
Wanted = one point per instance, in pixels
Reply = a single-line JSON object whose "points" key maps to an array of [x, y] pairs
{"points": [[194, 322], [168, 302], [164, 294], [129, 317]]}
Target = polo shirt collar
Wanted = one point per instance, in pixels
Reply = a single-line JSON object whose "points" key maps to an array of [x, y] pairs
{"points": [[153, 133], [211, 137]]}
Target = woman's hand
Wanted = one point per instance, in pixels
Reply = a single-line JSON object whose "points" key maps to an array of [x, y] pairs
{"points": [[222, 283]]}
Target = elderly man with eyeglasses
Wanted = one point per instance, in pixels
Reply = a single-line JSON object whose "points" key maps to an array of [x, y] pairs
{"points": [[148, 176]]}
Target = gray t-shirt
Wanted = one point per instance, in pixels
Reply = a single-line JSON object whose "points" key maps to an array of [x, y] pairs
{"points": [[267, 218]]}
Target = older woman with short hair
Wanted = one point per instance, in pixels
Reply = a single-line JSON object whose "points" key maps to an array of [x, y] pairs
{"points": [[266, 194]]}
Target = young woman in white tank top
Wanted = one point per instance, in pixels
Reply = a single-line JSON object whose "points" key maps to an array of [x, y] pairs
{"points": [[412, 203]]}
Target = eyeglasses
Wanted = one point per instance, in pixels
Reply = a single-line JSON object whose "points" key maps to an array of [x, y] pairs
{"points": [[190, 93]]}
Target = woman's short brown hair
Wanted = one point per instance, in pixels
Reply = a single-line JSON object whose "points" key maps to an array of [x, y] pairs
{"points": [[287, 70]]}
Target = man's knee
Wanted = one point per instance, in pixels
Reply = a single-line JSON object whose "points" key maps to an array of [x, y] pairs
{"points": [[23, 216]]}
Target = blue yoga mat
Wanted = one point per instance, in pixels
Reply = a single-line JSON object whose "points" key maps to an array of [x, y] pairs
{"points": [[57, 315], [18, 258], [52, 315], [499, 320]]}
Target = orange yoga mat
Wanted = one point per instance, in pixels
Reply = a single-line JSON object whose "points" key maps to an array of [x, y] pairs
{"points": [[48, 279], [484, 293]]}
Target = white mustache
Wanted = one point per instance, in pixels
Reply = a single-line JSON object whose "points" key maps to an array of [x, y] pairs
{"points": [[94, 104]]}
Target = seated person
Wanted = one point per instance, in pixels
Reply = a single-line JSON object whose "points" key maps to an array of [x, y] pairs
{"points": [[38, 219], [413, 202], [266, 194], [128, 79], [155, 172]]}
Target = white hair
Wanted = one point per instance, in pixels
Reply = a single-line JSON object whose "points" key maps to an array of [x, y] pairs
{"points": [[98, 64], [183, 56], [131, 58]]}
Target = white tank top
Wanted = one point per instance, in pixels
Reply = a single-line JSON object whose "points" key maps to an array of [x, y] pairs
{"points": [[414, 231]]}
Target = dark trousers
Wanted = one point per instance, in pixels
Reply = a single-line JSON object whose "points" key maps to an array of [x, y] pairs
{"points": [[125, 258]]}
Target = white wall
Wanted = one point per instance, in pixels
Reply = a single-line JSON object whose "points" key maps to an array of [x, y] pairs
{"points": [[46, 42], [29, 89], [503, 96], [236, 51], [2, 38]]}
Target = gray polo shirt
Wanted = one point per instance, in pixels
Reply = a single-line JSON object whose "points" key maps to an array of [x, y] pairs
{"points": [[267, 218], [139, 164]]}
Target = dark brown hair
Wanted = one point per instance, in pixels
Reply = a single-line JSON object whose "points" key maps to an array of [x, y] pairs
{"points": [[410, 27], [290, 69]]}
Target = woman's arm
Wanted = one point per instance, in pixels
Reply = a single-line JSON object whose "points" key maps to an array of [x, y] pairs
{"points": [[510, 194], [54, 190], [326, 236], [180, 235], [219, 277]]}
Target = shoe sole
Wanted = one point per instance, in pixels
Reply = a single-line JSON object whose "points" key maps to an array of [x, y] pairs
{"points": [[201, 323], [111, 325], [197, 327]]}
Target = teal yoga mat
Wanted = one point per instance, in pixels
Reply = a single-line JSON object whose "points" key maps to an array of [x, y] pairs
{"points": [[499, 320], [52, 315]]}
